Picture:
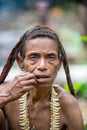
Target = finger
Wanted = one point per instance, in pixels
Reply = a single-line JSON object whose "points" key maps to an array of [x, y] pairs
{"points": [[27, 75], [30, 76], [29, 82], [27, 89], [20, 78]]}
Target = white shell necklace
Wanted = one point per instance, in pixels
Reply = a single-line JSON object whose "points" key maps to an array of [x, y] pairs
{"points": [[54, 109]]}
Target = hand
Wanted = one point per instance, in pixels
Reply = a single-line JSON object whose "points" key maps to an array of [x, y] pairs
{"points": [[17, 87]]}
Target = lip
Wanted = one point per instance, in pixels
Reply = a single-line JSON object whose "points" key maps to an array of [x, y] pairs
{"points": [[42, 78]]}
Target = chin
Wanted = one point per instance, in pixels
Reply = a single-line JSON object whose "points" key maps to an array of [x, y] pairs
{"points": [[44, 85]]}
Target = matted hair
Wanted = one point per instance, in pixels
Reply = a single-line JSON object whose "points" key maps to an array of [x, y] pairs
{"points": [[37, 31]]}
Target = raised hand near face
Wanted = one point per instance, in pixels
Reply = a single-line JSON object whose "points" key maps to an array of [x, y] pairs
{"points": [[17, 87]]}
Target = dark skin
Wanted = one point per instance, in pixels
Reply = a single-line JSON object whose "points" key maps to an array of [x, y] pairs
{"points": [[2, 121], [41, 64]]}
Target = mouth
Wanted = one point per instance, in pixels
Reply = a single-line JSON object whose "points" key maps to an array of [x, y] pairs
{"points": [[42, 78]]}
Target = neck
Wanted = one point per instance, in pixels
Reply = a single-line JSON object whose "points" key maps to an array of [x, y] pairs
{"points": [[39, 94]]}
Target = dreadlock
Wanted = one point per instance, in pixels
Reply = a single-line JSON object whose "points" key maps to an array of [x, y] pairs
{"points": [[37, 31]]}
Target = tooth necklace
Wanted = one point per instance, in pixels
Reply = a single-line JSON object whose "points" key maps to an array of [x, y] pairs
{"points": [[54, 110]]}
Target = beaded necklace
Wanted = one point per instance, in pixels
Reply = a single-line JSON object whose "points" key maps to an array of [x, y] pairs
{"points": [[54, 108]]}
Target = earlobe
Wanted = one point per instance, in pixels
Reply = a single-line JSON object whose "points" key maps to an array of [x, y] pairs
{"points": [[20, 62]]}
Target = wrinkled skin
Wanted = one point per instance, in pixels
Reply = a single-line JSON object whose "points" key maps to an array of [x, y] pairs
{"points": [[40, 65]]}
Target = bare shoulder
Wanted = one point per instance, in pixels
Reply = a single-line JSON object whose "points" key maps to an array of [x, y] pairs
{"points": [[66, 99], [70, 110]]}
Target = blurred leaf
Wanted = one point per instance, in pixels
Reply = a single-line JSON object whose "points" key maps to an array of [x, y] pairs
{"points": [[85, 127], [80, 89], [83, 90], [76, 87], [84, 38]]}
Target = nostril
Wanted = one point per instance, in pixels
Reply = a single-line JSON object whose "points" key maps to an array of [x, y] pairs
{"points": [[42, 68]]}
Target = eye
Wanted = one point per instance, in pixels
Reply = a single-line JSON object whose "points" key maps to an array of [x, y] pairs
{"points": [[33, 57], [51, 57]]}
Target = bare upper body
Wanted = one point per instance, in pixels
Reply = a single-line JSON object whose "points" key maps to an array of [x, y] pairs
{"points": [[41, 64], [39, 113]]}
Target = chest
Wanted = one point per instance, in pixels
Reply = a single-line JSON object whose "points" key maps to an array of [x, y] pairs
{"points": [[39, 118], [44, 117], [22, 116]]}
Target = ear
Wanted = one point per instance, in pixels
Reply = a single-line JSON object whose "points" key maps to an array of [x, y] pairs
{"points": [[20, 62]]}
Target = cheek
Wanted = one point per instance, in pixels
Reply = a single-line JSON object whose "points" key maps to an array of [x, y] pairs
{"points": [[28, 67], [55, 68], [57, 65]]}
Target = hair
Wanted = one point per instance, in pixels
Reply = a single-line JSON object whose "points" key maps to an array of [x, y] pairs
{"points": [[37, 31]]}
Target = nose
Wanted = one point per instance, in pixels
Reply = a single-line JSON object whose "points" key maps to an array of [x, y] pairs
{"points": [[42, 64]]}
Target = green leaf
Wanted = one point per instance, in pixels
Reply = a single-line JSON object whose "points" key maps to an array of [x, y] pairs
{"points": [[76, 87], [84, 38]]}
